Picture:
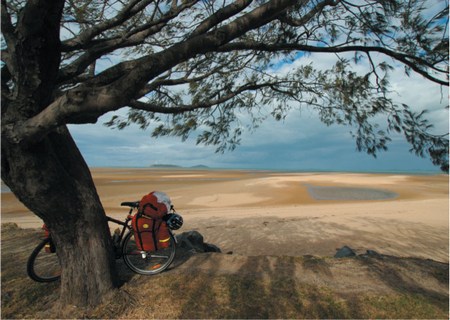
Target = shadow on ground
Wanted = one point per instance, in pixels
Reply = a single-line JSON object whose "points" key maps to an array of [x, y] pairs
{"points": [[217, 285]]}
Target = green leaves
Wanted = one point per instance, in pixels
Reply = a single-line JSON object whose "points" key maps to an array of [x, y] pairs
{"points": [[417, 132]]}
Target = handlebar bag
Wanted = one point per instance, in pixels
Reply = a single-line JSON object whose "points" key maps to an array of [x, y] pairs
{"points": [[150, 234]]}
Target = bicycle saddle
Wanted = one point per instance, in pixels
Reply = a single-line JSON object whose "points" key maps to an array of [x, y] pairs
{"points": [[131, 204]]}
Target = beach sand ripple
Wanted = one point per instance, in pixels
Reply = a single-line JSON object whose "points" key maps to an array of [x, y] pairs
{"points": [[271, 213]]}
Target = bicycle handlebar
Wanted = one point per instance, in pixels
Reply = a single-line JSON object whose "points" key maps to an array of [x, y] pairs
{"points": [[135, 205]]}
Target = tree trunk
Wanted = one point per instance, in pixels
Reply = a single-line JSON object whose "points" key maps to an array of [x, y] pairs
{"points": [[49, 175], [52, 179]]}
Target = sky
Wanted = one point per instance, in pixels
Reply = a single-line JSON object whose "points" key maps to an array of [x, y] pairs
{"points": [[299, 143]]}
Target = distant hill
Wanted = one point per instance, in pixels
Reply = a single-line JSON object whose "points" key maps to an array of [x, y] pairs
{"points": [[159, 166]]}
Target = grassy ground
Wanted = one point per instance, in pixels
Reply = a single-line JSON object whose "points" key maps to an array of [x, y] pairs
{"points": [[231, 286]]}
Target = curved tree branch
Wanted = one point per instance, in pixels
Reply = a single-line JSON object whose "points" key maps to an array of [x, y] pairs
{"points": [[220, 16], [82, 40], [409, 60], [7, 27], [98, 48], [200, 105]]}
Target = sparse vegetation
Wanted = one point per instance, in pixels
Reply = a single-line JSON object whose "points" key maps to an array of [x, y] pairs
{"points": [[263, 287], [210, 70]]}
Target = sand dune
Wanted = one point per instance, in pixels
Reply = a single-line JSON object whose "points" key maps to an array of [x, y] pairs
{"points": [[259, 212]]}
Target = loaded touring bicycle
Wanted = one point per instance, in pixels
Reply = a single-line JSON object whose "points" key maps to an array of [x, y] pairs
{"points": [[144, 240]]}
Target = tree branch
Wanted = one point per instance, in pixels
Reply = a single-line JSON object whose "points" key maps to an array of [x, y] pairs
{"points": [[148, 67], [163, 81], [10, 39], [79, 105], [100, 47], [151, 107], [307, 17], [81, 41], [219, 16], [409, 60], [7, 27]]}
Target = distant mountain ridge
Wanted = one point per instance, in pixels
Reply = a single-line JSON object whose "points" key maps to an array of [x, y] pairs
{"points": [[200, 166]]}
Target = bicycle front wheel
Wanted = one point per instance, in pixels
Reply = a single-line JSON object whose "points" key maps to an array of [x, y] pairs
{"points": [[147, 262], [43, 266]]}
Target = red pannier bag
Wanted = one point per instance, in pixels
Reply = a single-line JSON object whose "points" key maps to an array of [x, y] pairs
{"points": [[50, 246], [150, 231], [150, 234]]}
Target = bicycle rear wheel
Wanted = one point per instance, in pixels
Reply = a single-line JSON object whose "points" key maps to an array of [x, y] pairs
{"points": [[43, 266], [147, 262]]}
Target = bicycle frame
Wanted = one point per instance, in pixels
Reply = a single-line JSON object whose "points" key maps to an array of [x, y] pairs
{"points": [[124, 224]]}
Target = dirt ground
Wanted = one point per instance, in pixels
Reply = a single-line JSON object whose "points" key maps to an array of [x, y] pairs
{"points": [[219, 285]]}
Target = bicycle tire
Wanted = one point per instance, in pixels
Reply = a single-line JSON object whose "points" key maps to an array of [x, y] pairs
{"points": [[43, 266], [154, 261]]}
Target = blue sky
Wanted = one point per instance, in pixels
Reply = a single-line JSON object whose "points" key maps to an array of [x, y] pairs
{"points": [[301, 142]]}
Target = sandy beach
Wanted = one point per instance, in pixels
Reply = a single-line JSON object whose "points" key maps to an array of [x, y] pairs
{"points": [[273, 213]]}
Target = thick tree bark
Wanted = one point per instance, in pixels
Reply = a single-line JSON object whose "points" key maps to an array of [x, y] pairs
{"points": [[48, 174], [53, 181]]}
